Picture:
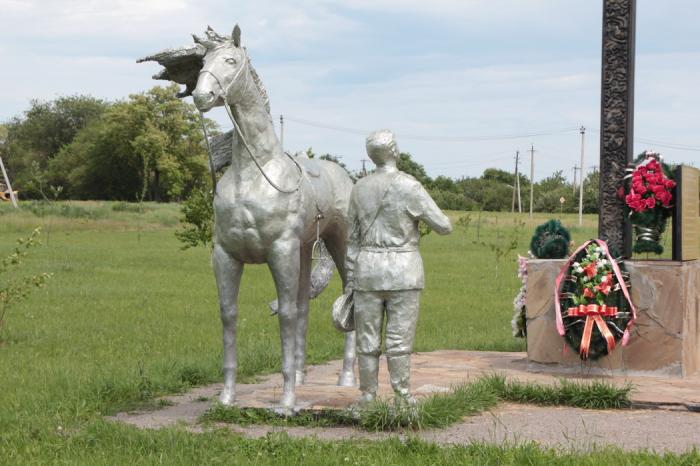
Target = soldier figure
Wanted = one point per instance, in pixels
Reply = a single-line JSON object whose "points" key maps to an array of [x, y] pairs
{"points": [[385, 269]]}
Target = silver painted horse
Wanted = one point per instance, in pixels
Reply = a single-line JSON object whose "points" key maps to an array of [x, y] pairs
{"points": [[269, 207]]}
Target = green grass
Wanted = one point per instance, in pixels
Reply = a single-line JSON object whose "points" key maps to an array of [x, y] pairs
{"points": [[439, 410], [129, 316], [596, 394]]}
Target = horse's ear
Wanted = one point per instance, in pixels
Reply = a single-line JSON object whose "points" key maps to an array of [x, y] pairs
{"points": [[236, 36]]}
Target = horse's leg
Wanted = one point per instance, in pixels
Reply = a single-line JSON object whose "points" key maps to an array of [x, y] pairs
{"points": [[228, 273], [284, 265], [337, 247], [302, 311]]}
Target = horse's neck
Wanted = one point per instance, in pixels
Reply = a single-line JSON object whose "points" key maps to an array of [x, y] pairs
{"points": [[255, 125]]}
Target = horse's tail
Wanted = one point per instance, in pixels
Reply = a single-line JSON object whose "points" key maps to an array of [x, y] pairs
{"points": [[321, 274]]}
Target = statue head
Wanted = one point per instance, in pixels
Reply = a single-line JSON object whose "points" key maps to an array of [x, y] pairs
{"points": [[382, 148], [223, 77]]}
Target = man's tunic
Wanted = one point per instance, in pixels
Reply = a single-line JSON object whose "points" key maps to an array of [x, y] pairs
{"points": [[383, 244]]}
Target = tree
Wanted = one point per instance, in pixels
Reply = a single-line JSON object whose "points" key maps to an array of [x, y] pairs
{"points": [[147, 147], [549, 191], [407, 165], [591, 191], [498, 175], [443, 183], [37, 137]]}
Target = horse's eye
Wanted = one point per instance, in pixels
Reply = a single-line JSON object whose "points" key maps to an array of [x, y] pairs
{"points": [[231, 61]]}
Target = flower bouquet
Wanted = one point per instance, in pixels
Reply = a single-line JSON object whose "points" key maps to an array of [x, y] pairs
{"points": [[518, 323], [592, 303], [648, 193]]}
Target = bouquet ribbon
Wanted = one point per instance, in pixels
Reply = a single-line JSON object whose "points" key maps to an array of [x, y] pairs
{"points": [[593, 311], [594, 315]]}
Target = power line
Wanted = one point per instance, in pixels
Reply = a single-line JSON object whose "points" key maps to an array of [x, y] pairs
{"points": [[667, 145], [433, 138]]}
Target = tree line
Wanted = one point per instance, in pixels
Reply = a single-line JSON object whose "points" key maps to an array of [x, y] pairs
{"points": [[150, 147], [146, 147]]}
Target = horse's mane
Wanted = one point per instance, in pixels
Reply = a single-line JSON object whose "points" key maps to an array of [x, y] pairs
{"points": [[259, 84], [214, 39], [182, 65]]}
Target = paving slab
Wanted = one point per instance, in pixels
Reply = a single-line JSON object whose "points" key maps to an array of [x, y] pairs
{"points": [[671, 425]]}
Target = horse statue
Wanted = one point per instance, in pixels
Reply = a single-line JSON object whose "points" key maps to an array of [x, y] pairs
{"points": [[269, 207]]}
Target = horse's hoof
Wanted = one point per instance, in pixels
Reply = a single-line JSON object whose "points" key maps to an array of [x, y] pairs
{"points": [[284, 412], [288, 402], [347, 379], [227, 397], [299, 378]]}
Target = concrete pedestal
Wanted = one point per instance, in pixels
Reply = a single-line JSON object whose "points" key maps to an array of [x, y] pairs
{"points": [[665, 340]]}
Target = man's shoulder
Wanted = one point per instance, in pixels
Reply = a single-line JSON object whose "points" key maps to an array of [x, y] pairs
{"points": [[398, 179], [408, 178]]}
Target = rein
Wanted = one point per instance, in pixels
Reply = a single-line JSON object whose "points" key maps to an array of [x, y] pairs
{"points": [[243, 139]]}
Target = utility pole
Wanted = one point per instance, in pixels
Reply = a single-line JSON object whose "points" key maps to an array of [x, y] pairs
{"points": [[532, 176], [516, 183], [364, 170], [580, 193], [282, 132], [574, 185]]}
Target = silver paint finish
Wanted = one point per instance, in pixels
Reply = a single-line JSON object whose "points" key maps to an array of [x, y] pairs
{"points": [[384, 266], [257, 223]]}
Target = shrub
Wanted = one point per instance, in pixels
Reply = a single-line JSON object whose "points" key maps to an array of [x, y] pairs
{"points": [[13, 287]]}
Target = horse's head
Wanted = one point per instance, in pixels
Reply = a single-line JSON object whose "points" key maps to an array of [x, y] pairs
{"points": [[223, 77]]}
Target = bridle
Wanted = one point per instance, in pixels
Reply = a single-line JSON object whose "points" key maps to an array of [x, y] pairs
{"points": [[240, 134], [319, 214]]}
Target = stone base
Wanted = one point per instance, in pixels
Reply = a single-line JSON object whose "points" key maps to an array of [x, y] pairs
{"points": [[665, 340]]}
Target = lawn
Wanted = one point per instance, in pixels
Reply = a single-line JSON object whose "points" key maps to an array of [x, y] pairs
{"points": [[128, 315]]}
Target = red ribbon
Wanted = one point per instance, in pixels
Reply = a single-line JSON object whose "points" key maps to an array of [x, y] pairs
{"points": [[594, 314]]}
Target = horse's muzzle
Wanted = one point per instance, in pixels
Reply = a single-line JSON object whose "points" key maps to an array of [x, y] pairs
{"points": [[205, 101]]}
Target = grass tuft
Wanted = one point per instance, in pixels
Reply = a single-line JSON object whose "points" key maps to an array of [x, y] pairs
{"points": [[440, 410], [589, 395]]}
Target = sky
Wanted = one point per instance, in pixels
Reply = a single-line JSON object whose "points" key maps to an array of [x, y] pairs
{"points": [[463, 83]]}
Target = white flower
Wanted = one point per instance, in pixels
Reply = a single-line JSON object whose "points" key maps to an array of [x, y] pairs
{"points": [[579, 269], [575, 265]]}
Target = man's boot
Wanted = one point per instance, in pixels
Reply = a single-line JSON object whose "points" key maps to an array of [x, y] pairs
{"points": [[400, 375], [369, 370]]}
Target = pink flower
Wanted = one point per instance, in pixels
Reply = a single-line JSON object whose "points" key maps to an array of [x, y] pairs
{"points": [[587, 293], [669, 184], [658, 189], [639, 188], [650, 202], [665, 198]]}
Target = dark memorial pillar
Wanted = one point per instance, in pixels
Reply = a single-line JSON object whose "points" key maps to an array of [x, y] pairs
{"points": [[616, 120]]}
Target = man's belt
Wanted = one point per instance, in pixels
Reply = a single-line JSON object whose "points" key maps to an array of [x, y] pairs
{"points": [[389, 248]]}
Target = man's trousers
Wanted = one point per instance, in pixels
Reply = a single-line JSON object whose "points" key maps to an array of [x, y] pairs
{"points": [[401, 311]]}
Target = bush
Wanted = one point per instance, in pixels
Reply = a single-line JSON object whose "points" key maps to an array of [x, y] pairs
{"points": [[198, 211], [14, 288]]}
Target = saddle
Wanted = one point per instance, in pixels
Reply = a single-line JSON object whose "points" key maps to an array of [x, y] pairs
{"points": [[222, 148]]}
